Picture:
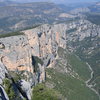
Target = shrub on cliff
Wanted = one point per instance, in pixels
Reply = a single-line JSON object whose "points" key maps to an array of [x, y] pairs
{"points": [[35, 61], [41, 92], [11, 34], [9, 89]]}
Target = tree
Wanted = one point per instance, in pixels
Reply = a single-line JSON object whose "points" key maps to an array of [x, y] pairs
{"points": [[41, 92], [9, 89]]}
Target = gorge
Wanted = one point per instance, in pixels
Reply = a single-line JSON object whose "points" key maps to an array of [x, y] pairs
{"points": [[43, 53]]}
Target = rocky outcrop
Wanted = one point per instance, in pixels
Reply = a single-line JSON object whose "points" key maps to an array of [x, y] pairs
{"points": [[2, 72], [43, 42], [3, 94], [37, 49], [17, 51]]}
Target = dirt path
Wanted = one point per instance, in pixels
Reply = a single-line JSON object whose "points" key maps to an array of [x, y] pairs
{"points": [[87, 82], [90, 86]]}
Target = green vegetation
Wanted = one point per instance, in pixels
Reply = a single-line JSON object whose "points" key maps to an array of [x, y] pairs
{"points": [[71, 30], [11, 34], [68, 20], [35, 61], [38, 60], [83, 51], [9, 89], [31, 27], [94, 18], [2, 46], [72, 88], [79, 66], [16, 76], [69, 85], [17, 31], [41, 92]]}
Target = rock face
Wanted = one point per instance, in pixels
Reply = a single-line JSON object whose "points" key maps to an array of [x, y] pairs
{"points": [[17, 51], [45, 39], [21, 53], [2, 72]]}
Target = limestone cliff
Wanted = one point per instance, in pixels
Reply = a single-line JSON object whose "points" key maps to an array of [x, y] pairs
{"points": [[37, 49], [16, 52]]}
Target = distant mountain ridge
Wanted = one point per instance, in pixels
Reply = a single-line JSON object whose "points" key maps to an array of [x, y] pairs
{"points": [[15, 16], [94, 15], [6, 3], [18, 16]]}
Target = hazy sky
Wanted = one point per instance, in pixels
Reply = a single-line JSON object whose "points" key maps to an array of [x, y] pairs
{"points": [[57, 1]]}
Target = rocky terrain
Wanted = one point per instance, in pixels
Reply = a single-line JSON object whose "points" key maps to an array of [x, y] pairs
{"points": [[15, 17], [17, 52], [63, 55], [85, 44], [44, 48], [31, 53], [18, 16]]}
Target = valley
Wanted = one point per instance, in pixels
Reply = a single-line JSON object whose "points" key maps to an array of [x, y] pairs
{"points": [[73, 92], [49, 53]]}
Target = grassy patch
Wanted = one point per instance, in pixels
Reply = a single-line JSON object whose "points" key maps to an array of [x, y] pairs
{"points": [[31, 27], [71, 88], [41, 92], [79, 66], [83, 51], [71, 30], [11, 34], [69, 85], [94, 18], [35, 61]]}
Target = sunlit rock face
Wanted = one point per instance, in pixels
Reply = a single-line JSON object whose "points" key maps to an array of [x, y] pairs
{"points": [[43, 42], [16, 56], [16, 53], [2, 72]]}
